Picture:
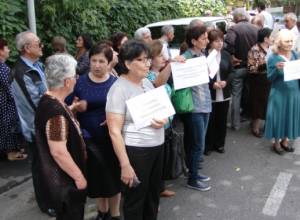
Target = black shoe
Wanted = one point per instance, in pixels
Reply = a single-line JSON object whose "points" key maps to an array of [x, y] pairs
{"points": [[103, 216], [220, 150], [50, 212], [287, 148], [207, 152]]}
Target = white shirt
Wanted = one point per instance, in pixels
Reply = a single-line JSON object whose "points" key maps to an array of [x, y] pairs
{"points": [[268, 19]]}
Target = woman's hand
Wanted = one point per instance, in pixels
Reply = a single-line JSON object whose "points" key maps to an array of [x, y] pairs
{"points": [[78, 105], [127, 174], [179, 58], [217, 85], [279, 65], [222, 84], [157, 123], [81, 183]]}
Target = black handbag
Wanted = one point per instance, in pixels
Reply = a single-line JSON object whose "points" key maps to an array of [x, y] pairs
{"points": [[174, 163]]}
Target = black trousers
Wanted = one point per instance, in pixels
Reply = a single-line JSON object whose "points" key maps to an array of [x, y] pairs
{"points": [[187, 136], [38, 186], [216, 131], [71, 211], [141, 202]]}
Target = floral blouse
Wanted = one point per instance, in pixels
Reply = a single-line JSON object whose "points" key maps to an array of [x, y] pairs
{"points": [[257, 60]]}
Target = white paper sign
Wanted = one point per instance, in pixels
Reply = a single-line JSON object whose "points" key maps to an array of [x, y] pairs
{"points": [[212, 63], [291, 70], [191, 73], [154, 104]]}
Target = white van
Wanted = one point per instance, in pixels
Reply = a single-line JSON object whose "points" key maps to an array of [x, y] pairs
{"points": [[180, 28]]}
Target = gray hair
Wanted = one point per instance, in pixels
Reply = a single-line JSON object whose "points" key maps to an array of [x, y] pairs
{"points": [[139, 33], [239, 14], [167, 29], [22, 39], [196, 22], [291, 15], [58, 68]]}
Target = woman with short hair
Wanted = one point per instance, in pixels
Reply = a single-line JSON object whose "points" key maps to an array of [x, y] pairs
{"points": [[139, 150], [220, 95], [60, 146], [103, 171], [259, 85], [283, 111]]}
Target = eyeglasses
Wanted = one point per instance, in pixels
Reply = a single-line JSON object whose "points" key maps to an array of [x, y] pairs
{"points": [[39, 45]]}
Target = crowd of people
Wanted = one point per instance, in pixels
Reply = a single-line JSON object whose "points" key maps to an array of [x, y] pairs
{"points": [[81, 138]]}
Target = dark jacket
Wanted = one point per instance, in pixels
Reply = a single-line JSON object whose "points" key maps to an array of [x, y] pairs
{"points": [[225, 70], [239, 40]]}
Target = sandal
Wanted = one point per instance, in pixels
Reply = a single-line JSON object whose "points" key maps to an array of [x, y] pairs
{"points": [[277, 149], [12, 156]]}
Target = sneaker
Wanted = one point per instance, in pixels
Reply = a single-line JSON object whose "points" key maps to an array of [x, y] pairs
{"points": [[203, 178], [197, 185]]}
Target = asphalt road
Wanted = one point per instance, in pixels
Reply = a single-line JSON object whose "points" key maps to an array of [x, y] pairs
{"points": [[249, 182]]}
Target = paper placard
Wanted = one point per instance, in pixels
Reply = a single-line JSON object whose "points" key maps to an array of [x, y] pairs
{"points": [[291, 70], [154, 104], [191, 73]]}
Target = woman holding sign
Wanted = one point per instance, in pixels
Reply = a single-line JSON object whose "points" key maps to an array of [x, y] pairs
{"points": [[283, 112], [139, 150], [220, 95], [195, 123]]}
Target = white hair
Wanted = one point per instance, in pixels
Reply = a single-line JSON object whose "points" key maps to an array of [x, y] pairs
{"points": [[22, 39], [139, 33], [167, 29], [239, 14], [58, 68], [291, 15], [281, 36]]}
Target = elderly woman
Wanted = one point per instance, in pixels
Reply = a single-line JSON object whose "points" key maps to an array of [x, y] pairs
{"points": [[220, 95], [10, 143], [139, 151], [143, 34], [195, 123], [60, 146], [259, 85], [103, 171], [83, 44], [283, 111]]}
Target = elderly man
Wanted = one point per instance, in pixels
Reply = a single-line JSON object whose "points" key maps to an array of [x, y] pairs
{"points": [[143, 34], [290, 22], [167, 32], [239, 39], [28, 86]]}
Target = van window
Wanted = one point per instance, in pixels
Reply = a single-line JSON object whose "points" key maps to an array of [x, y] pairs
{"points": [[221, 25]]}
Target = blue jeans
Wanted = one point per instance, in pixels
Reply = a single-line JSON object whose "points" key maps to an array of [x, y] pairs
{"points": [[198, 127]]}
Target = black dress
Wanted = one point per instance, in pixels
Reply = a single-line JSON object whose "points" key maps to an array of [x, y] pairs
{"points": [[55, 122], [9, 139]]}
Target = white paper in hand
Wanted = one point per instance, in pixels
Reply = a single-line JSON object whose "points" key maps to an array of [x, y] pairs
{"points": [[154, 104], [291, 70], [191, 73], [212, 63]]}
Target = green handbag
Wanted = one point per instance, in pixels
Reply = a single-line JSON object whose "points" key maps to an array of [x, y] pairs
{"points": [[182, 100]]}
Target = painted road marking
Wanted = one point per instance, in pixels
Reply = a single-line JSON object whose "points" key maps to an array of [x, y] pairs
{"points": [[277, 194]]}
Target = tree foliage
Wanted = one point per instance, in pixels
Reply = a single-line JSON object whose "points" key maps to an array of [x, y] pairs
{"points": [[99, 18]]}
